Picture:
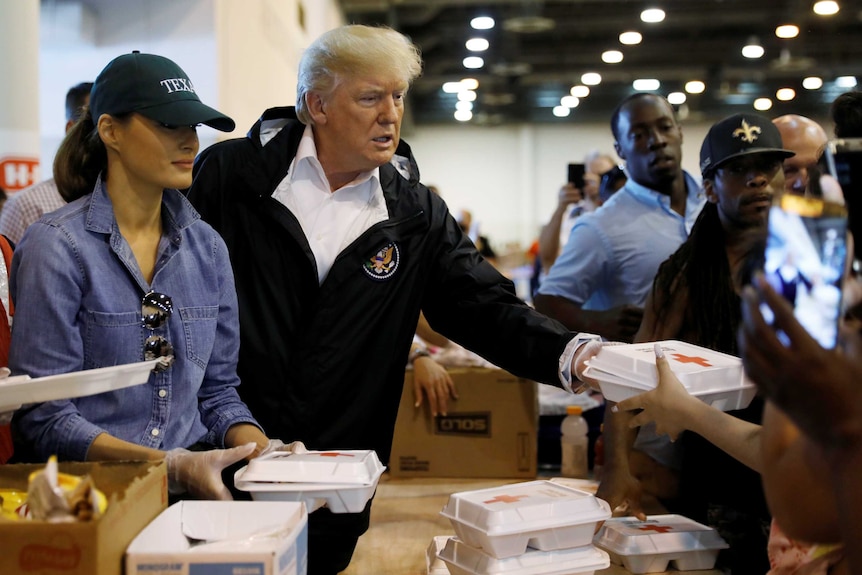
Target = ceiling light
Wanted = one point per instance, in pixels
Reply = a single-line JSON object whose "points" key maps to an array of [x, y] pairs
{"points": [[676, 98], [785, 94], [528, 24], [463, 115], [787, 31], [612, 57], [845, 81], [511, 68], [469, 83], [591, 78], [762, 104], [570, 101], [753, 49], [826, 8], [580, 91], [473, 62], [630, 38], [463, 105], [812, 83], [452, 87], [695, 87], [652, 15], [499, 99], [482, 23], [561, 111], [477, 44], [467, 96], [646, 84]]}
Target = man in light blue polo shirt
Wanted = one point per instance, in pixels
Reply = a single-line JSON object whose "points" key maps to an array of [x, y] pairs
{"points": [[600, 282]]}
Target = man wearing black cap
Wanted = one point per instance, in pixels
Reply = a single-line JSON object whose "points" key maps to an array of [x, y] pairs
{"points": [[695, 298]]}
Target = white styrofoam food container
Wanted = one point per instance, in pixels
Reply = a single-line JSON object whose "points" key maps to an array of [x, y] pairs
{"points": [[698, 368], [338, 496], [21, 389], [223, 537], [617, 389], [433, 564], [544, 515], [716, 378], [348, 467], [648, 546], [461, 559]]}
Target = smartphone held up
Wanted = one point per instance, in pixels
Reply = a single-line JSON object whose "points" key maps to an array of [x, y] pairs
{"points": [[804, 261], [575, 175]]}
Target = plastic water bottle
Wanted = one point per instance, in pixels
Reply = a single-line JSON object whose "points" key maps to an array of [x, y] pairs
{"points": [[573, 444]]}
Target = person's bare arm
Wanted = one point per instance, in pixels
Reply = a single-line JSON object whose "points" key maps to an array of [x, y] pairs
{"points": [[243, 433], [616, 324], [427, 333], [549, 237], [109, 448], [619, 487]]}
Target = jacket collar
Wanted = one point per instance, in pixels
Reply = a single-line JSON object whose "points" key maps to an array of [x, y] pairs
{"points": [[276, 161]]}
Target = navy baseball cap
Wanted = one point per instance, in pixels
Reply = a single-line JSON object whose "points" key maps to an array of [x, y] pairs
{"points": [[739, 135], [154, 87]]}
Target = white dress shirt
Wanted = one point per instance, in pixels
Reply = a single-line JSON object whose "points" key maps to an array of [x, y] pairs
{"points": [[331, 221]]}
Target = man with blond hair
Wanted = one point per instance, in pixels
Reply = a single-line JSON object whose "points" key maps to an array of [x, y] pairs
{"points": [[336, 248]]}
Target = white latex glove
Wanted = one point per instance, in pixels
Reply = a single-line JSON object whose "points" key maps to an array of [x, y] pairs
{"points": [[279, 445], [199, 472]]}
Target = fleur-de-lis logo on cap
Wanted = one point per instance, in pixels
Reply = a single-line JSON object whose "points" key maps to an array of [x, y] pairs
{"points": [[747, 133]]}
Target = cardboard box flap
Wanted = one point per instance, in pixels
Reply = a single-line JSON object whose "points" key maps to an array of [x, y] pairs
{"points": [[203, 521], [188, 525]]}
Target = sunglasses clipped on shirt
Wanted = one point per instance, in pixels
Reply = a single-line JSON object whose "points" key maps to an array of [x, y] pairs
{"points": [[156, 309]]}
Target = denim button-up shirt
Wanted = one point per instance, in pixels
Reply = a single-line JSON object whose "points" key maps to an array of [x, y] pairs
{"points": [[77, 290]]}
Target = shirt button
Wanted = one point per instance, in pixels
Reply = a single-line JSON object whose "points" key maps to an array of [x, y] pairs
{"points": [[155, 433], [162, 393]]}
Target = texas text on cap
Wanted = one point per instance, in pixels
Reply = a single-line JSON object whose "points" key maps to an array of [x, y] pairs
{"points": [[154, 87], [739, 135]]}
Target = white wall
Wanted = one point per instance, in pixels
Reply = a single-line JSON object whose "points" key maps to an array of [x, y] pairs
{"points": [[241, 55], [508, 176]]}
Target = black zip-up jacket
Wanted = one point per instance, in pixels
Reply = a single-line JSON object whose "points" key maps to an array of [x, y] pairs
{"points": [[325, 363]]}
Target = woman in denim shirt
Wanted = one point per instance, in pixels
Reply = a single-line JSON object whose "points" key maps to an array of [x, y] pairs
{"points": [[128, 263]]}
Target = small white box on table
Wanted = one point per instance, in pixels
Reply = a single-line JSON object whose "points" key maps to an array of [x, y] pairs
{"points": [[504, 521], [648, 546], [463, 559]]}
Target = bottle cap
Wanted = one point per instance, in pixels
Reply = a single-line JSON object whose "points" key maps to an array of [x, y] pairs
{"points": [[574, 409]]}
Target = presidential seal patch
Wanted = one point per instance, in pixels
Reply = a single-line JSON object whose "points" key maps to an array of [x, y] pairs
{"points": [[384, 263]]}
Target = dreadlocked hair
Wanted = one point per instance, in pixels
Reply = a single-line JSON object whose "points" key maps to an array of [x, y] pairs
{"points": [[700, 267]]}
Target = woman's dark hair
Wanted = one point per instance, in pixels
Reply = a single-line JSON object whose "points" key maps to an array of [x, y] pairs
{"points": [[80, 159], [700, 266]]}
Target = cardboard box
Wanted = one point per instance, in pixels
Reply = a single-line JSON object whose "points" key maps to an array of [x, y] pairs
{"points": [[490, 431], [136, 491], [223, 538]]}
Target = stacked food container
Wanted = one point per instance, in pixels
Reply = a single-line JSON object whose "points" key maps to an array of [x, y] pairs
{"points": [[343, 481], [649, 546], [531, 528], [716, 378]]}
